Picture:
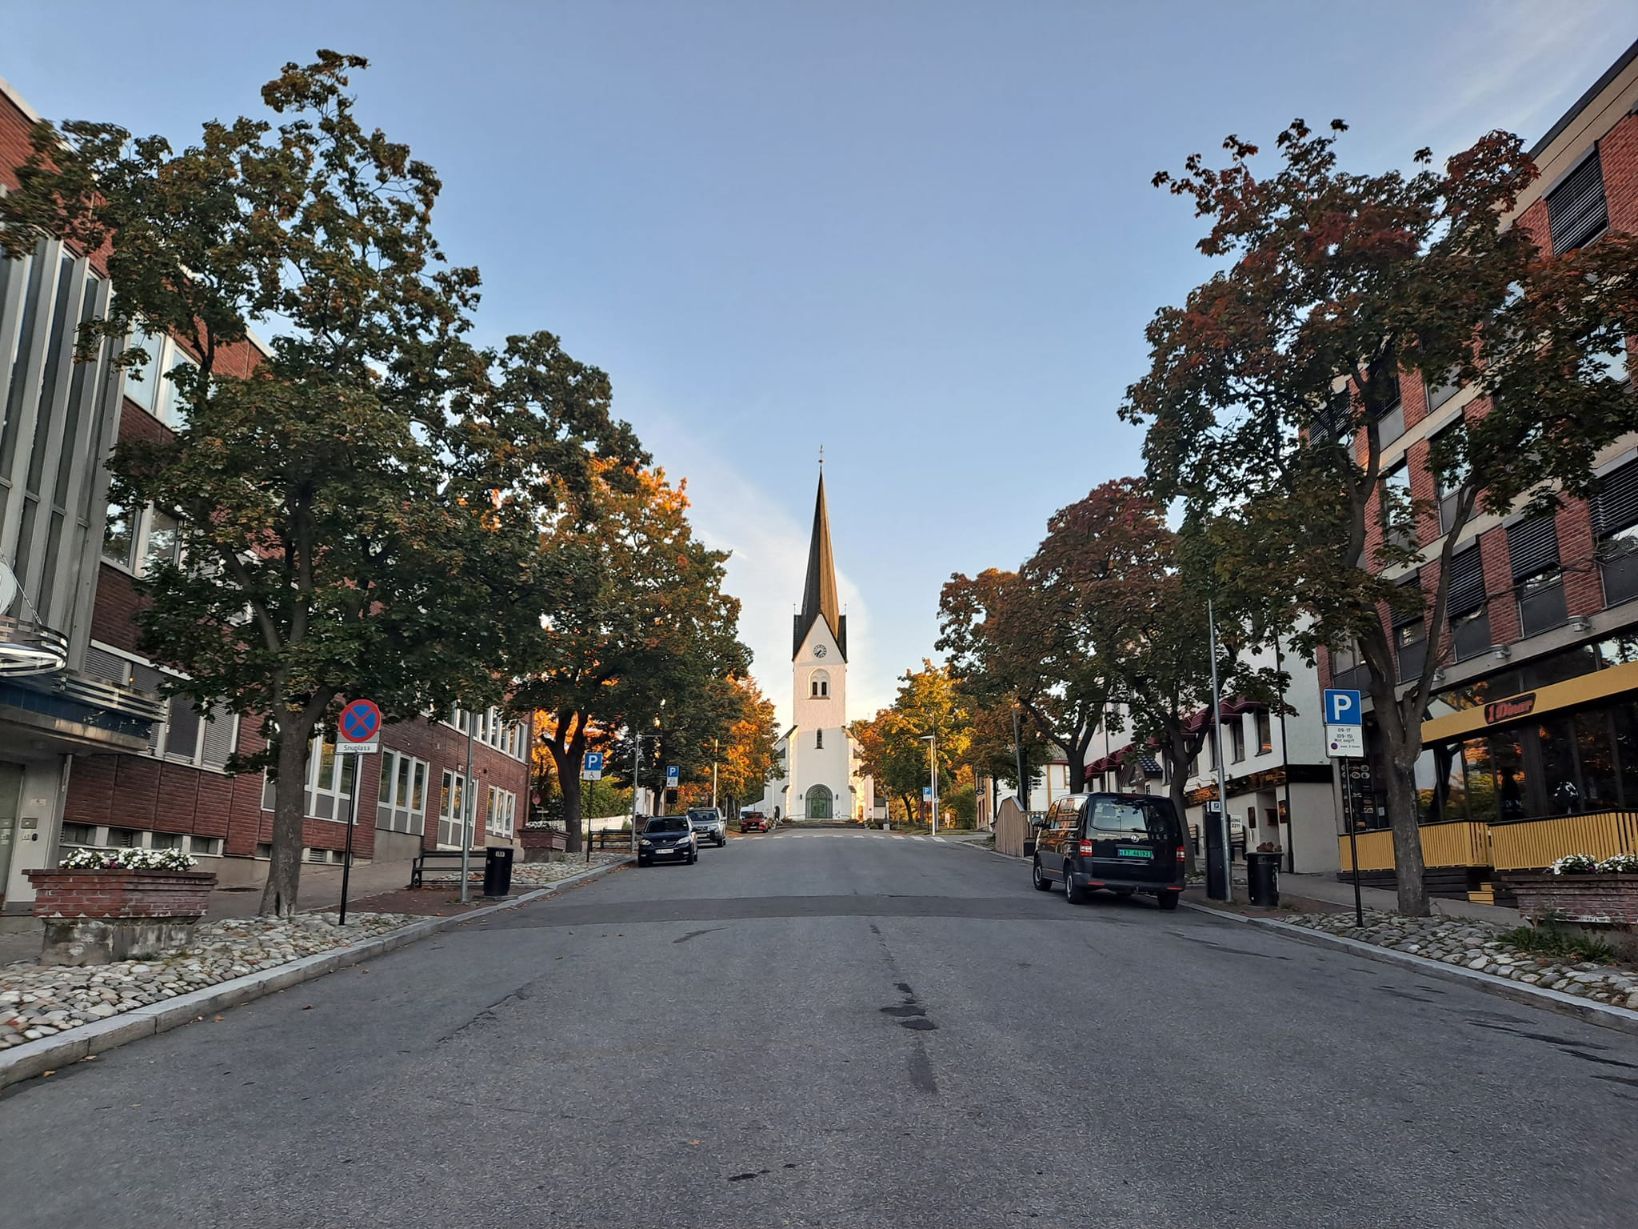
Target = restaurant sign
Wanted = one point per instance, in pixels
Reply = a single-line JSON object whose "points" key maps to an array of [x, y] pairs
{"points": [[1510, 709]]}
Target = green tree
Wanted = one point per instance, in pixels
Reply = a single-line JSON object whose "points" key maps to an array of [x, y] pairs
{"points": [[639, 626], [1013, 639], [1267, 390], [890, 745], [350, 523]]}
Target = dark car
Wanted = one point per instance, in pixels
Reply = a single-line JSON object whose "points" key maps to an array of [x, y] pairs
{"points": [[709, 825], [753, 821], [667, 838], [1126, 843]]}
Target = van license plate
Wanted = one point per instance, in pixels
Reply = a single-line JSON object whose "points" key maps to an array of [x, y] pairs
{"points": [[1138, 853]]}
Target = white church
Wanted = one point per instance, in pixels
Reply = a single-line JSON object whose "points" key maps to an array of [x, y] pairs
{"points": [[819, 777]]}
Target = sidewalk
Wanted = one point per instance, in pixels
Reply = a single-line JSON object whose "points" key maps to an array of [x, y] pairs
{"points": [[21, 936], [1329, 890]]}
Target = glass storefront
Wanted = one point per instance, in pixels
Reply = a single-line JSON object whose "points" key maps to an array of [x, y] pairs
{"points": [[1562, 763]]}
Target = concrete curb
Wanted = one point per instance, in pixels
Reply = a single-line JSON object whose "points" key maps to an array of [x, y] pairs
{"points": [[1619, 1018], [24, 1062]]}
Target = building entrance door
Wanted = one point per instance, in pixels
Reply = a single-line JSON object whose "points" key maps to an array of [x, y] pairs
{"points": [[819, 802], [11, 793]]}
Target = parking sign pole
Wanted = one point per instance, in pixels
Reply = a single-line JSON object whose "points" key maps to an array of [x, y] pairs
{"points": [[1353, 837], [1217, 755]]}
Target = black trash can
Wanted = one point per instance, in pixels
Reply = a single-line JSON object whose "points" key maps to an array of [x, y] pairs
{"points": [[1217, 866], [1263, 879], [497, 870]]}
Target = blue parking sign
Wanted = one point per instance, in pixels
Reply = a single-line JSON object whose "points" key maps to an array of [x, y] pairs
{"points": [[672, 774], [592, 768], [1342, 707]]}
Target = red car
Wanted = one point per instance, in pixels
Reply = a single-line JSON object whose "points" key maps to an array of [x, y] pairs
{"points": [[753, 821]]}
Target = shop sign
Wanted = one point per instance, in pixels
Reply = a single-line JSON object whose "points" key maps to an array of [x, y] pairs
{"points": [[1510, 709]]}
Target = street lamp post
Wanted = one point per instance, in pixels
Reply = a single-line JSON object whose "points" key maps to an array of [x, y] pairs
{"points": [[1217, 755], [932, 773], [1018, 757], [468, 815]]}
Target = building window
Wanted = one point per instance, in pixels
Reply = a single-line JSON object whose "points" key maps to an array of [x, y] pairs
{"points": [[1469, 615], [819, 685], [1615, 525], [1397, 512], [329, 790], [1410, 638], [818, 740], [78, 834], [1538, 580], [452, 820], [401, 804], [1577, 212], [1265, 732], [119, 535], [1237, 739], [160, 542], [1390, 421], [1448, 484], [503, 809], [1443, 391], [491, 729]]}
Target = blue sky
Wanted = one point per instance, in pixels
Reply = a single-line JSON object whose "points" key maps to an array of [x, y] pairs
{"points": [[919, 234]]}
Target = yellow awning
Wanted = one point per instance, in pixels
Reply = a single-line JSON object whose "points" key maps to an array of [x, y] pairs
{"points": [[1529, 705]]}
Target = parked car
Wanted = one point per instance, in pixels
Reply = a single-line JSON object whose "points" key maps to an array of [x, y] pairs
{"points": [[1126, 843], [709, 825], [753, 821], [668, 838]]}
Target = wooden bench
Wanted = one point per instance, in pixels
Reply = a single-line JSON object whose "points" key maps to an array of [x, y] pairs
{"points": [[419, 866]]}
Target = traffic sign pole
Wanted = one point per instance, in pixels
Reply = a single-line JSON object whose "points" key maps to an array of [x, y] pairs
{"points": [[1353, 840], [352, 822]]}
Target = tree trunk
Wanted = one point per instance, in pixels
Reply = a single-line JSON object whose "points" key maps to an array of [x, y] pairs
{"points": [[1177, 767], [1077, 771], [1400, 758], [289, 814], [567, 763]]}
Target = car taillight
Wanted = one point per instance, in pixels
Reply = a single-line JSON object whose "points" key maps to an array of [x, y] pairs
{"points": [[1182, 855], [1086, 849]]}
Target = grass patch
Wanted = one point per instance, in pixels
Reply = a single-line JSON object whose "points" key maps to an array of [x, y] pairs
{"points": [[1560, 943]]}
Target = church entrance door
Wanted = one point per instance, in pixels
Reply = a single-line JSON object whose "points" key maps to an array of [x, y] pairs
{"points": [[819, 802]]}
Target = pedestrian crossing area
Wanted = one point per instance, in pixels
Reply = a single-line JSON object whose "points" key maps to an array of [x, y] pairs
{"points": [[860, 836]]}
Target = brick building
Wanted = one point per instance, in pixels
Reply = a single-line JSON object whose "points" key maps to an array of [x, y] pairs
{"points": [[1532, 738], [90, 754]]}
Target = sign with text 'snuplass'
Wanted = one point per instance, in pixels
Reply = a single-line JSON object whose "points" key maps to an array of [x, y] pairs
{"points": [[358, 729]]}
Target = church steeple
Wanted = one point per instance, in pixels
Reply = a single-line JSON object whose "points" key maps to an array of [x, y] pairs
{"points": [[819, 594]]}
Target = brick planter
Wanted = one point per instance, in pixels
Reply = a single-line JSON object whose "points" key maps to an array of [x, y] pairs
{"points": [[1601, 900], [95, 916]]}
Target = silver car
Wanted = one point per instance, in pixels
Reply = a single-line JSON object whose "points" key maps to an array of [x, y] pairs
{"points": [[709, 825]]}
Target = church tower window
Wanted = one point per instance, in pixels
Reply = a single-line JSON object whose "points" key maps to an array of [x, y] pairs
{"points": [[819, 685], [818, 740]]}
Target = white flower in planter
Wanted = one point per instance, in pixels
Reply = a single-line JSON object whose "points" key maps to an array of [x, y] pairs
{"points": [[126, 860], [1575, 864], [1620, 864]]}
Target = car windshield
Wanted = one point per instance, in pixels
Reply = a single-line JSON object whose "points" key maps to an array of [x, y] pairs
{"points": [[1135, 819], [703, 817], [667, 823]]}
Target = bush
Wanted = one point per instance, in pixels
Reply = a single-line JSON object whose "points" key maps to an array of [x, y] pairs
{"points": [[1560, 942]]}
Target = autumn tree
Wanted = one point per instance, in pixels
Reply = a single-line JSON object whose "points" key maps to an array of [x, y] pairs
{"points": [[890, 745], [635, 623], [1012, 639], [356, 511], [747, 752], [1269, 387]]}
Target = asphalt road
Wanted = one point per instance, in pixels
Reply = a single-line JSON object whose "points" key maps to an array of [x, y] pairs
{"points": [[837, 1031]]}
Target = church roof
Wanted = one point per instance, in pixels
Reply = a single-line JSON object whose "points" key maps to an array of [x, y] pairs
{"points": [[819, 597]]}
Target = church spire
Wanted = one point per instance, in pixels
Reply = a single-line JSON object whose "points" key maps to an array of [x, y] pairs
{"points": [[819, 594]]}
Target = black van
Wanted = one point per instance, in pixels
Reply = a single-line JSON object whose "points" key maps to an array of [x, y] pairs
{"points": [[1123, 842]]}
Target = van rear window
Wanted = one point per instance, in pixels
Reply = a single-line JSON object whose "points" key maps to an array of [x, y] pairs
{"points": [[1135, 820]]}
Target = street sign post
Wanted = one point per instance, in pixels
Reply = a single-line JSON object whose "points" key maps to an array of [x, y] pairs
{"points": [[358, 733], [1345, 740]]}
